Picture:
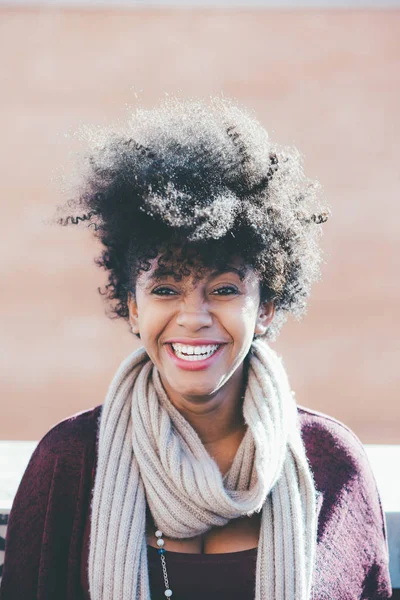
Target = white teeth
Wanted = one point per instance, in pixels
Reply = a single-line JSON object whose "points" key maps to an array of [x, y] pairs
{"points": [[194, 352]]}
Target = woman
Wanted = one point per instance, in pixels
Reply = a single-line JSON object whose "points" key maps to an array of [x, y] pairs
{"points": [[199, 476]]}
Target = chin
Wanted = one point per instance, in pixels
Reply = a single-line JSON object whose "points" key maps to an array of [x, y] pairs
{"points": [[196, 393]]}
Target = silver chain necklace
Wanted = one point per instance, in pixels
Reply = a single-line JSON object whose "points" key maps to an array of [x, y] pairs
{"points": [[161, 552]]}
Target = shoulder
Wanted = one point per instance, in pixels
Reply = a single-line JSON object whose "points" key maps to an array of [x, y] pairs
{"points": [[331, 447], [61, 463], [343, 475], [72, 435], [319, 425], [66, 446], [341, 469]]}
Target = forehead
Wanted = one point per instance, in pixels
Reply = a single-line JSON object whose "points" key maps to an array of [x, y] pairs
{"points": [[193, 269]]}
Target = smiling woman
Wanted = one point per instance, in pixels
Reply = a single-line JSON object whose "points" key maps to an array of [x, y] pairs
{"points": [[199, 476], [195, 324]]}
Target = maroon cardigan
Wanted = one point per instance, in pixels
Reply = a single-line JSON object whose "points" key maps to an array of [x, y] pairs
{"points": [[46, 527]]}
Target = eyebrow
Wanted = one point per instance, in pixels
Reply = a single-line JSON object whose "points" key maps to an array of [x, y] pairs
{"points": [[159, 274]]}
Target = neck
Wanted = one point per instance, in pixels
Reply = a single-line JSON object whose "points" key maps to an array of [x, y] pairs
{"points": [[216, 422], [217, 418]]}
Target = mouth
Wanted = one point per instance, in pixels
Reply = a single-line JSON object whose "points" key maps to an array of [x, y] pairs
{"points": [[193, 358], [194, 353]]}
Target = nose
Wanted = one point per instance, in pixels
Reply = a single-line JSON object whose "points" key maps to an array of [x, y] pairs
{"points": [[194, 313]]}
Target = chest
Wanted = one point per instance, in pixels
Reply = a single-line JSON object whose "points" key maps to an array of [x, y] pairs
{"points": [[237, 535]]}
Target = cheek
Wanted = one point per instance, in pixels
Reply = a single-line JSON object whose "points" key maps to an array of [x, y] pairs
{"points": [[240, 320], [249, 311], [153, 319]]}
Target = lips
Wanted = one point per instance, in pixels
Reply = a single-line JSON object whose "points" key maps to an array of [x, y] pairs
{"points": [[193, 357]]}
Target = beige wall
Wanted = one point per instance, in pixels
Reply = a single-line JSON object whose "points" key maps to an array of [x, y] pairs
{"points": [[325, 81]]}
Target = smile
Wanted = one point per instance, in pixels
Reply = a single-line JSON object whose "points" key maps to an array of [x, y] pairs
{"points": [[194, 357], [194, 353]]}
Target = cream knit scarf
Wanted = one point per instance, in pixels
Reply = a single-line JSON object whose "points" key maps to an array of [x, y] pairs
{"points": [[147, 451]]}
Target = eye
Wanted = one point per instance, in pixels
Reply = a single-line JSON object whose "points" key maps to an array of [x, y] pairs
{"points": [[163, 291], [225, 290]]}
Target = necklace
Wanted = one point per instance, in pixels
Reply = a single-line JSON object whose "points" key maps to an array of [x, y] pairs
{"points": [[161, 552]]}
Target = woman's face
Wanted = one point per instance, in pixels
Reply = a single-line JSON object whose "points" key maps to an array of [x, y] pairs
{"points": [[198, 332]]}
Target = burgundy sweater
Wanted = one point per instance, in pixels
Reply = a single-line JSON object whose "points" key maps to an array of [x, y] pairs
{"points": [[46, 552]]}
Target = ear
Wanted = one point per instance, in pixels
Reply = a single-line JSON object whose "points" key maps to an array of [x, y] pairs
{"points": [[133, 313], [265, 315]]}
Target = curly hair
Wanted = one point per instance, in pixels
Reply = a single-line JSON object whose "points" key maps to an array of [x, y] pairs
{"points": [[198, 182]]}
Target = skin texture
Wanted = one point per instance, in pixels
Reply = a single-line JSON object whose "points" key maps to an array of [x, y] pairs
{"points": [[220, 307]]}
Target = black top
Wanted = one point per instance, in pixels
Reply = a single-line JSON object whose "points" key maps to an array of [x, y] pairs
{"points": [[198, 576]]}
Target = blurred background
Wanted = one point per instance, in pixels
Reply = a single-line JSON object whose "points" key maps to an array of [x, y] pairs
{"points": [[325, 78]]}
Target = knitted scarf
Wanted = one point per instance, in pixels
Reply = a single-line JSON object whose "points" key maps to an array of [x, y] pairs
{"points": [[148, 452]]}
